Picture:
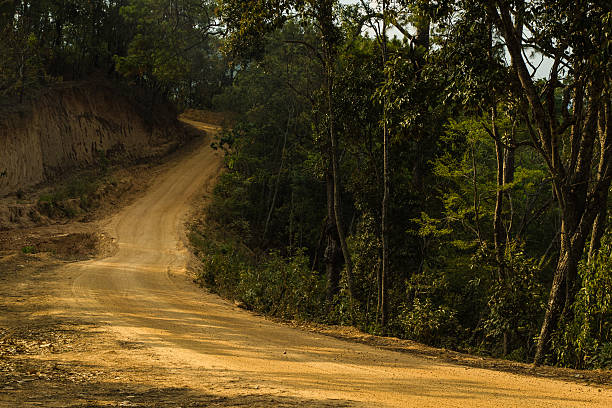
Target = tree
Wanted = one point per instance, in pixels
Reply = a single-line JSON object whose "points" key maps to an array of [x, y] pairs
{"points": [[248, 22], [379, 22], [575, 37], [54, 40], [21, 66], [172, 50]]}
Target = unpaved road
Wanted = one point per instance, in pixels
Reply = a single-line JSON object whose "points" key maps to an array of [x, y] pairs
{"points": [[181, 346]]}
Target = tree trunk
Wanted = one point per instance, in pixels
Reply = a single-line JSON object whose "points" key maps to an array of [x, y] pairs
{"points": [[599, 227], [337, 201], [509, 153], [332, 254], [385, 232], [498, 229], [575, 228], [476, 199], [605, 136], [552, 310], [567, 266], [325, 17], [384, 275], [277, 184]]}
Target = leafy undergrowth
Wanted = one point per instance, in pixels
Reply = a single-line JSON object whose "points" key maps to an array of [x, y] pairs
{"points": [[269, 283], [83, 196], [286, 290], [81, 193]]}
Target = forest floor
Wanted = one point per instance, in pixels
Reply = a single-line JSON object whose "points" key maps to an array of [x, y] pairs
{"points": [[105, 314]]}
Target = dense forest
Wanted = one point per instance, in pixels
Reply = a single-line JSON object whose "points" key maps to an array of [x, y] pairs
{"points": [[436, 170]]}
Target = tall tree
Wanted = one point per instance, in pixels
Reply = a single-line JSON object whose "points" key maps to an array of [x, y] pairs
{"points": [[248, 22], [379, 22], [172, 45], [574, 37]]}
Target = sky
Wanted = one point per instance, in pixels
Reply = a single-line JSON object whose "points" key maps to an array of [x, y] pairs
{"points": [[535, 58]]}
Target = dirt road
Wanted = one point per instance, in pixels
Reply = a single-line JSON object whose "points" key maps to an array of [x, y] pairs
{"points": [[183, 343]]}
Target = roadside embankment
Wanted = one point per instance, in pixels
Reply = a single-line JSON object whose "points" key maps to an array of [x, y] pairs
{"points": [[62, 151], [75, 125]]}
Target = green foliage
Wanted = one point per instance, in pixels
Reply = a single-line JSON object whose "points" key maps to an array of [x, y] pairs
{"points": [[21, 65], [173, 49], [29, 249], [465, 169], [273, 284], [365, 245], [78, 194], [585, 341], [284, 287], [444, 287], [473, 225], [469, 255], [425, 322], [168, 48], [515, 306], [46, 40], [79, 186], [269, 113], [221, 264], [251, 21]]}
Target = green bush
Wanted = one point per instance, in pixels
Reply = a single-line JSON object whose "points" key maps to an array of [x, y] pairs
{"points": [[29, 249], [81, 188], [365, 247], [585, 341], [428, 323], [282, 286], [515, 306], [277, 285]]}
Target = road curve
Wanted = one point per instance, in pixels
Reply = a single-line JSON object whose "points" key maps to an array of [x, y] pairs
{"points": [[143, 295]]}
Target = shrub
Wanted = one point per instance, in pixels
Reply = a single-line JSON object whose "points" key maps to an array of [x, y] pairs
{"points": [[428, 323], [515, 306], [29, 249], [277, 285], [585, 340]]}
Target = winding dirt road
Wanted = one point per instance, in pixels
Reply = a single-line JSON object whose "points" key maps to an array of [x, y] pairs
{"points": [[144, 296]]}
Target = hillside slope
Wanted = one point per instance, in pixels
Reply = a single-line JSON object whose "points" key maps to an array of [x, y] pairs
{"points": [[74, 124]]}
